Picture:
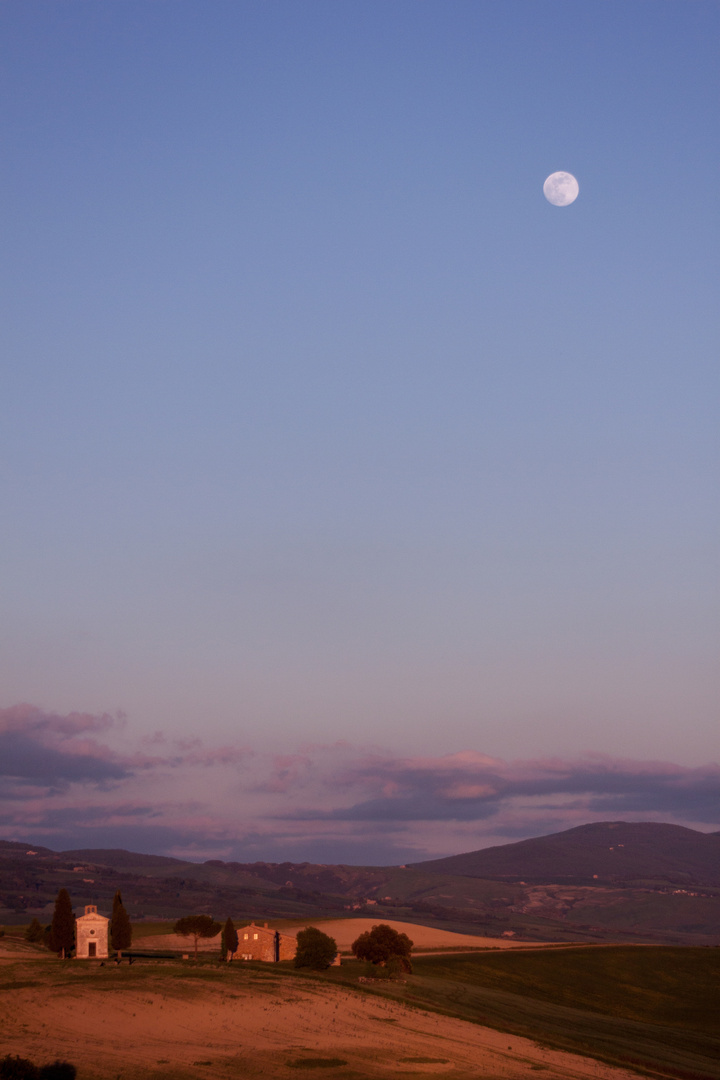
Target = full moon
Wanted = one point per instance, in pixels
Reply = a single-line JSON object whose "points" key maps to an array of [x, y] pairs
{"points": [[561, 188]]}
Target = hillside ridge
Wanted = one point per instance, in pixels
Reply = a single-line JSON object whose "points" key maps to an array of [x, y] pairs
{"points": [[609, 851], [605, 881]]}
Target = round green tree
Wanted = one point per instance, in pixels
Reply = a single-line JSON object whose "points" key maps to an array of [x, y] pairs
{"points": [[382, 944], [120, 926], [315, 949], [197, 926]]}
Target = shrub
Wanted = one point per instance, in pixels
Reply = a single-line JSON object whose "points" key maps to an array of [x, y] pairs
{"points": [[34, 931], [17, 1068], [398, 965], [375, 971], [58, 1070]]}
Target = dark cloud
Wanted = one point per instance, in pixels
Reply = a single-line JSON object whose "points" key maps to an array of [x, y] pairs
{"points": [[138, 827], [354, 850], [450, 790], [23, 757], [149, 839], [47, 818], [45, 749], [403, 808], [694, 803], [28, 718]]}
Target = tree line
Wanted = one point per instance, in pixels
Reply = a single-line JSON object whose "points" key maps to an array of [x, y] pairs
{"points": [[382, 947], [59, 935]]}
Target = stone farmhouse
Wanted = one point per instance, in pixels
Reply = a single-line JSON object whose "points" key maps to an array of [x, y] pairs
{"points": [[261, 943], [91, 931]]}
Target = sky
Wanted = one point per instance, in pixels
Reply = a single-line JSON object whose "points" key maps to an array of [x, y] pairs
{"points": [[358, 505]]}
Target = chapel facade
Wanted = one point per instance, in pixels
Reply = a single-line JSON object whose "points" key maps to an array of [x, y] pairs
{"points": [[91, 935]]}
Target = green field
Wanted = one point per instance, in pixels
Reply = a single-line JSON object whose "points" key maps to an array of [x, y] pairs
{"points": [[660, 985], [655, 1009]]}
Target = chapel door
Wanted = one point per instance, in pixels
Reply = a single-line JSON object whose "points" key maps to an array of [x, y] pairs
{"points": [[92, 948]]}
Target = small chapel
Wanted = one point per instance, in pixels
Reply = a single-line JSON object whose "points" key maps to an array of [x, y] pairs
{"points": [[91, 935]]}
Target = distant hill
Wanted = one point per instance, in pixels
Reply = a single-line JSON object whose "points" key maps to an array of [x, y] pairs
{"points": [[606, 851], [609, 881], [120, 859]]}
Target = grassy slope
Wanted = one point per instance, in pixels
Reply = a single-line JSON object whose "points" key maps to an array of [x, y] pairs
{"points": [[653, 912], [666, 985], [655, 1009]]}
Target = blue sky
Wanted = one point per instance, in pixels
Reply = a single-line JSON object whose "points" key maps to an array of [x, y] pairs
{"points": [[319, 425]]}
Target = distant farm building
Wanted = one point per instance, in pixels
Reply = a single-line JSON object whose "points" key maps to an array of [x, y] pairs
{"points": [[92, 935], [261, 943]]}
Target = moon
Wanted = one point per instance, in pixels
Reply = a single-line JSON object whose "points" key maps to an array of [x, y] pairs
{"points": [[561, 188]]}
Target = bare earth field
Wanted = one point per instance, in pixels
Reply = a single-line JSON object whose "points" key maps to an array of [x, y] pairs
{"points": [[345, 931], [153, 1021]]}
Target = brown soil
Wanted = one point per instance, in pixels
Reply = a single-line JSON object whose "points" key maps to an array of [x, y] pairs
{"points": [[150, 1022]]}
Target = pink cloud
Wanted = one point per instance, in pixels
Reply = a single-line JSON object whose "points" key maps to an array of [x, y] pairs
{"points": [[60, 777], [30, 718]]}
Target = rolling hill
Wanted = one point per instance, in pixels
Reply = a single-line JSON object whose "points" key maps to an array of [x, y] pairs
{"points": [[605, 851], [608, 881]]}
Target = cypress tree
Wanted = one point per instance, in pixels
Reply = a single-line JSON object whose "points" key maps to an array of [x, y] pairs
{"points": [[120, 927], [63, 925], [230, 939]]}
